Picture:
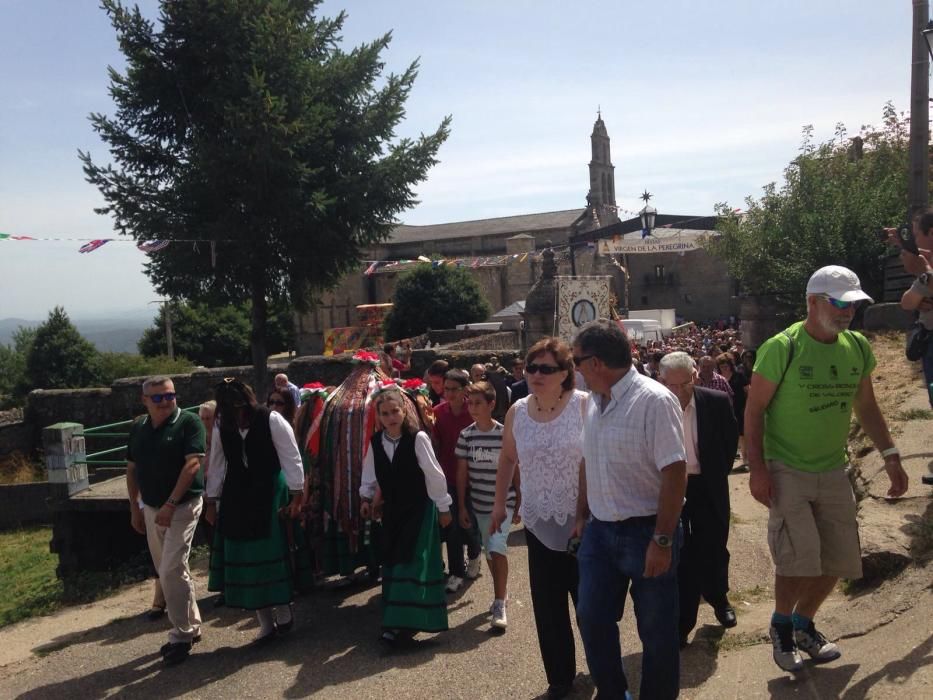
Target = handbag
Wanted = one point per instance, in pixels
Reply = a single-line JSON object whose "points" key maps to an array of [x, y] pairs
{"points": [[918, 337]]}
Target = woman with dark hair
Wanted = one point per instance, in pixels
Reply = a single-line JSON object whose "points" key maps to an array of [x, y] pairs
{"points": [[748, 363], [739, 384], [282, 402], [256, 473], [544, 433]]}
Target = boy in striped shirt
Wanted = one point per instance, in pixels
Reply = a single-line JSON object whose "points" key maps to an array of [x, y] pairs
{"points": [[477, 460]]}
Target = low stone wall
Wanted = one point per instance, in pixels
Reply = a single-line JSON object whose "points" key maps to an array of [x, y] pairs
{"points": [[454, 336], [501, 340], [24, 504], [16, 437]]}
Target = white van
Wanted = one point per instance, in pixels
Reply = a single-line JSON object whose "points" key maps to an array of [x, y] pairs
{"points": [[642, 329]]}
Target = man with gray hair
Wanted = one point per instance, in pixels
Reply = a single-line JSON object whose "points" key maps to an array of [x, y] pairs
{"points": [[710, 438], [163, 469], [632, 482], [282, 384], [806, 381]]}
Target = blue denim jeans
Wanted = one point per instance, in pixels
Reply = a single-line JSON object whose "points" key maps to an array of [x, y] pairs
{"points": [[611, 560]]}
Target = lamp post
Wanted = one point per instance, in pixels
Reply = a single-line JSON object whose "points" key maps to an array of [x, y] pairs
{"points": [[922, 45], [647, 215]]}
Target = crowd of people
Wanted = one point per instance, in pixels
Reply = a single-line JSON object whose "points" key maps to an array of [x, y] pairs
{"points": [[614, 456]]}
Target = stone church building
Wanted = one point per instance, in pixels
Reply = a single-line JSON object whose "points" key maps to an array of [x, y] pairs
{"points": [[504, 256]]}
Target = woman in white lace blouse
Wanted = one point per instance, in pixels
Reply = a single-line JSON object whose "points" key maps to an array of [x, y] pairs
{"points": [[544, 433]]}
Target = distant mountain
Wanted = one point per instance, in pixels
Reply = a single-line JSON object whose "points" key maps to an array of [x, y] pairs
{"points": [[118, 332]]}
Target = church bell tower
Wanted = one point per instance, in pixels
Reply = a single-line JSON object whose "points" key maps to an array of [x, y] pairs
{"points": [[602, 193]]}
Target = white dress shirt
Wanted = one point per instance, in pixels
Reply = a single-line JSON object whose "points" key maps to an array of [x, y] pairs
{"points": [[627, 442], [690, 437], [434, 478], [283, 438]]}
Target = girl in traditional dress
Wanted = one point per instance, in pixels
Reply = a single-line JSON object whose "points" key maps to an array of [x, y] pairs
{"points": [[255, 471], [402, 462]]}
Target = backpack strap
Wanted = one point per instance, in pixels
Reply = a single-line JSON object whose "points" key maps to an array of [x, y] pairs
{"points": [[790, 354], [861, 348]]}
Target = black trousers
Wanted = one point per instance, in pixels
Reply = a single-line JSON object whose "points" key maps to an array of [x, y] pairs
{"points": [[553, 576], [457, 538], [704, 559]]}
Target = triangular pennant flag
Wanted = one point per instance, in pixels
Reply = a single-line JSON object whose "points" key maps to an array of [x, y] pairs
{"points": [[152, 246], [93, 245]]}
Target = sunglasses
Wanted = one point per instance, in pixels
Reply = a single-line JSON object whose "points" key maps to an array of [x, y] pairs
{"points": [[275, 402], [841, 305], [580, 360], [159, 398], [532, 368]]}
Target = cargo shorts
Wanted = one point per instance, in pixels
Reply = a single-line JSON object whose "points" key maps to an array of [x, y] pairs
{"points": [[812, 526]]}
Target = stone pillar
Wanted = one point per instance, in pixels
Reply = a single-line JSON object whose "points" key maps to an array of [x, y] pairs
{"points": [[518, 275], [64, 458], [541, 303]]}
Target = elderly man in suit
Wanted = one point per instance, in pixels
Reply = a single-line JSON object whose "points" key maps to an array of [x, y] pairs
{"points": [[710, 438]]}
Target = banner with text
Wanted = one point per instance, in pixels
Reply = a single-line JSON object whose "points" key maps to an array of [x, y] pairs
{"points": [[668, 241]]}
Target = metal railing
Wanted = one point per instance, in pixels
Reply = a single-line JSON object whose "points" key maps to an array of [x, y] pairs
{"points": [[111, 431]]}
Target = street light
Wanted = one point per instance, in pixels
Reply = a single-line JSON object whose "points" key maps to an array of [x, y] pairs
{"points": [[647, 215]]}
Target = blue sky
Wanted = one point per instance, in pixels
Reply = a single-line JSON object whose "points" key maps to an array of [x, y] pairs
{"points": [[704, 103]]}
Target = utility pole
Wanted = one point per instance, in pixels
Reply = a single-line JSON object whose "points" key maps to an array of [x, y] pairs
{"points": [[167, 315], [918, 192]]}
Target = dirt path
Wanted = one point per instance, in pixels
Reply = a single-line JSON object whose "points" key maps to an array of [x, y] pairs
{"points": [[886, 632]]}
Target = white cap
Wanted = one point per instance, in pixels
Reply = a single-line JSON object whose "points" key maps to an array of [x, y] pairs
{"points": [[837, 282]]}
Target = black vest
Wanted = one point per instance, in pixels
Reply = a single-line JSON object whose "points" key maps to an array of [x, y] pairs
{"points": [[406, 496], [249, 488]]}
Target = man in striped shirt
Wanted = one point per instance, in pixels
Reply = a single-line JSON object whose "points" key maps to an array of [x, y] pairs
{"points": [[477, 459]]}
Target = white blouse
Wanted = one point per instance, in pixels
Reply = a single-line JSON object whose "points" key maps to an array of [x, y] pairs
{"points": [[433, 474], [283, 438]]}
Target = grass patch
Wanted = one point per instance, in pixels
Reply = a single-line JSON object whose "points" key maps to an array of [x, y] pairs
{"points": [[16, 469], [914, 414], [733, 642], [29, 586]]}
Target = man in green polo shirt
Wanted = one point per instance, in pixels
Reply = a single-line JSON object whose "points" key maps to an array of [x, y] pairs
{"points": [[163, 473], [806, 382]]}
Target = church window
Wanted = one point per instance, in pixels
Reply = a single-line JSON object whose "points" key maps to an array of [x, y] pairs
{"points": [[659, 272]]}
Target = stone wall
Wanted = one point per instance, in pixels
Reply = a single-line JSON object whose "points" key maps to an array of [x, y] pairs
{"points": [[16, 437], [695, 284], [506, 341], [24, 504]]}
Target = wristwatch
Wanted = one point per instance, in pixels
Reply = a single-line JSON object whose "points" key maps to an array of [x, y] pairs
{"points": [[924, 279], [662, 540], [172, 501]]}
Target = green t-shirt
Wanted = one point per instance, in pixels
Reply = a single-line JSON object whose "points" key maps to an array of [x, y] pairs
{"points": [[159, 454], [807, 421]]}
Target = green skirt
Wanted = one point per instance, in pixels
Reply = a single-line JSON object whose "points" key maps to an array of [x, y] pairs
{"points": [[336, 557], [255, 574], [413, 595]]}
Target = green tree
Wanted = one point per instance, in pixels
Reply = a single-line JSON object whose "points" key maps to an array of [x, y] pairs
{"points": [[245, 123], [116, 365], [215, 335], [454, 296], [834, 198], [59, 357], [13, 384]]}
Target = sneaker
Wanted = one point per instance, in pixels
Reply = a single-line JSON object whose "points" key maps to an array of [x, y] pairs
{"points": [[786, 655], [176, 652], [816, 645], [454, 584], [473, 567], [499, 618]]}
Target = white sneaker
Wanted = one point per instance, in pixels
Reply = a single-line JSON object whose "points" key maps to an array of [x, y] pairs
{"points": [[816, 645], [473, 567], [454, 584], [499, 619], [786, 655]]}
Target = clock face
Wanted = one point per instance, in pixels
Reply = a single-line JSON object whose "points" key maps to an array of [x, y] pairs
{"points": [[583, 312]]}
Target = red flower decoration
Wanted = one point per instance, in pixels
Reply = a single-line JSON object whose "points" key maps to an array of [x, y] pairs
{"points": [[412, 384], [313, 385]]}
